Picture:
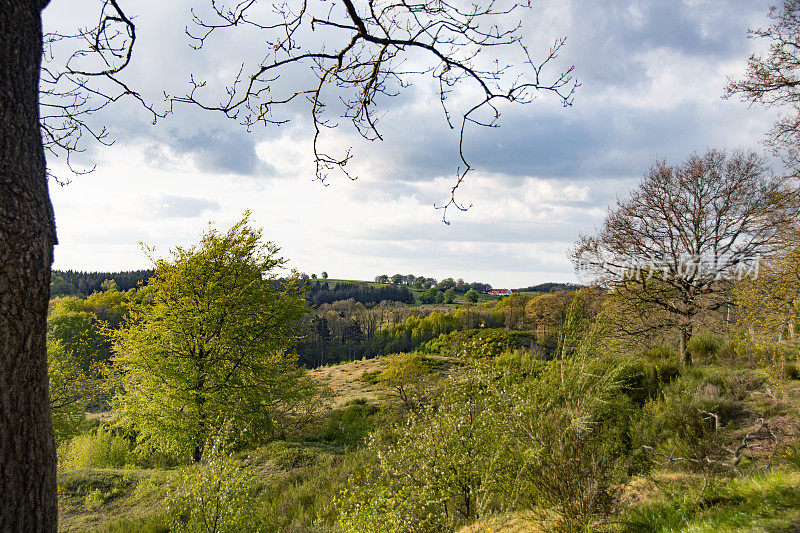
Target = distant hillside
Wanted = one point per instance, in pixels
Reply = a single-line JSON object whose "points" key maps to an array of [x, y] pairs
{"points": [[323, 292], [72, 282], [551, 287]]}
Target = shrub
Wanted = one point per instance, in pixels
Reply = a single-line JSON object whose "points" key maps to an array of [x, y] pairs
{"points": [[447, 465], [570, 427], [215, 496], [704, 345], [480, 342], [370, 377], [351, 424], [288, 456], [100, 449], [94, 500], [644, 379], [501, 437], [681, 422], [372, 507]]}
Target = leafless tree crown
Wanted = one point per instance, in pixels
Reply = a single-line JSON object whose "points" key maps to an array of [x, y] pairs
{"points": [[673, 247], [358, 54], [689, 228], [774, 79], [715, 212]]}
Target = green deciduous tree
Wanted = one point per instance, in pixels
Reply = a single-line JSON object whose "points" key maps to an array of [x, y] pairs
{"points": [[449, 296], [72, 388], [428, 297], [408, 378], [471, 296], [211, 347]]}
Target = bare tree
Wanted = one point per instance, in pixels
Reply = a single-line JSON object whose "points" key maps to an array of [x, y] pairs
{"points": [[47, 107], [685, 233], [774, 79]]}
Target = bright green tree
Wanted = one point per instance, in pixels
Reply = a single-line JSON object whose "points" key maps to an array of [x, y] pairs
{"points": [[72, 388], [428, 297], [210, 347], [471, 296], [449, 296], [407, 377]]}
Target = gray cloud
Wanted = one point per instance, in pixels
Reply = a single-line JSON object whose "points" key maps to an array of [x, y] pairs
{"points": [[222, 152], [605, 37], [170, 206]]}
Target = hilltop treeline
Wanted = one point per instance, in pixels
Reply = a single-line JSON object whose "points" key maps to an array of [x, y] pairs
{"points": [[551, 287], [421, 283], [73, 282], [319, 293]]}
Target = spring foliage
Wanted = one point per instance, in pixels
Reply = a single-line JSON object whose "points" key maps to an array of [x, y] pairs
{"points": [[210, 347]]}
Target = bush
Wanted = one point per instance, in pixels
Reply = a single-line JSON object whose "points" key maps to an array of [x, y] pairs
{"points": [[644, 379], [371, 377], [704, 345], [288, 456], [501, 437], [94, 500], [215, 496], [351, 424], [100, 449], [447, 465], [480, 342], [571, 428], [679, 424]]}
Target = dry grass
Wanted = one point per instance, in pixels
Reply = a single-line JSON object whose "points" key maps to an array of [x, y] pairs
{"points": [[523, 522], [345, 380]]}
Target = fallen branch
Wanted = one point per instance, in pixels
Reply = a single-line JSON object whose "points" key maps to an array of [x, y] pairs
{"points": [[763, 432]]}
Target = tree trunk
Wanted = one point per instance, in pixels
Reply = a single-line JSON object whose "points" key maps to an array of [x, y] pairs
{"points": [[27, 236], [686, 355]]}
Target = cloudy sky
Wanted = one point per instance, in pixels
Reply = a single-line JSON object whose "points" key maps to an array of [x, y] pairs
{"points": [[652, 75]]}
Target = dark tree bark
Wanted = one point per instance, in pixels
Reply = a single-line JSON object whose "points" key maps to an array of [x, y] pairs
{"points": [[27, 236]]}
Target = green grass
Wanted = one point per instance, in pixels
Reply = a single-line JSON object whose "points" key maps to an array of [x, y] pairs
{"points": [[758, 503], [92, 498]]}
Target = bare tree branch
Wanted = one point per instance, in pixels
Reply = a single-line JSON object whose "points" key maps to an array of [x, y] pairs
{"points": [[362, 62]]}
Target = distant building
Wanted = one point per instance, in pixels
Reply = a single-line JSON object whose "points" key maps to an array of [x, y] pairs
{"points": [[503, 292]]}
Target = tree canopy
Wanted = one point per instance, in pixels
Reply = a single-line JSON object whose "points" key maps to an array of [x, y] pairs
{"points": [[210, 348], [774, 79], [686, 230]]}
